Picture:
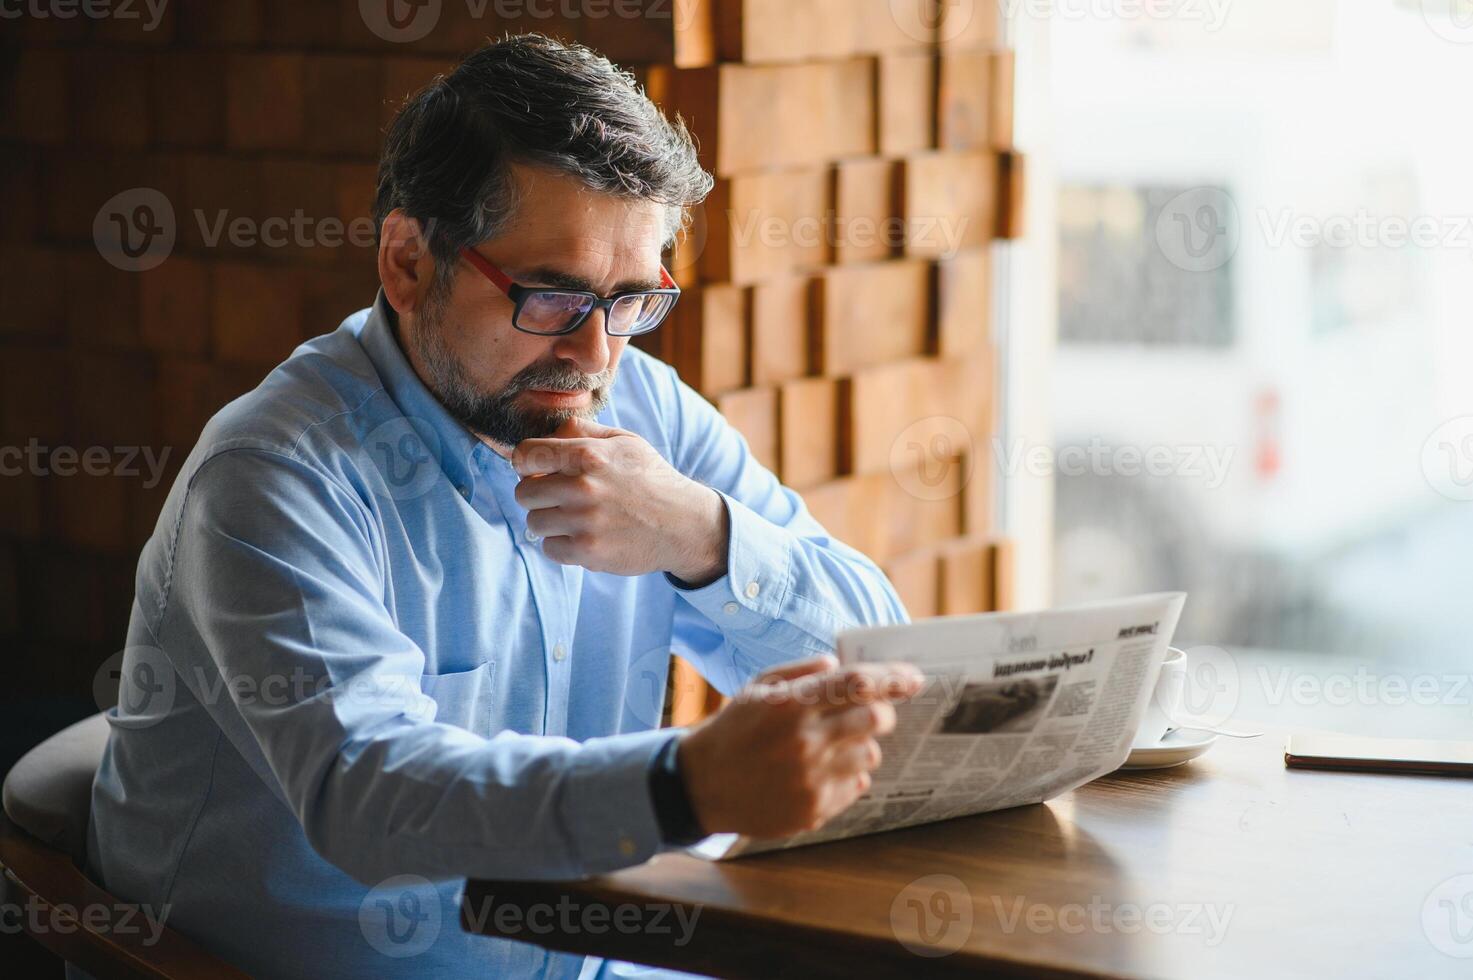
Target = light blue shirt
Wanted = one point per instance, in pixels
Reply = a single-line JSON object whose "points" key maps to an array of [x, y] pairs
{"points": [[353, 678]]}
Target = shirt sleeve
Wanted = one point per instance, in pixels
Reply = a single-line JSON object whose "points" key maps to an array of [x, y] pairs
{"points": [[276, 587], [789, 587]]}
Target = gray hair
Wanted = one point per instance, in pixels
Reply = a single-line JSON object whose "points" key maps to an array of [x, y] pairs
{"points": [[532, 100]]}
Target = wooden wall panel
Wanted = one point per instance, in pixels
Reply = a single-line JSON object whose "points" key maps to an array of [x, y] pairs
{"points": [[917, 580], [710, 333], [782, 329], [870, 314], [905, 107], [759, 226], [877, 335], [966, 578], [969, 24], [866, 210], [765, 31], [949, 201], [963, 303], [964, 100], [808, 113], [753, 412], [808, 431]]}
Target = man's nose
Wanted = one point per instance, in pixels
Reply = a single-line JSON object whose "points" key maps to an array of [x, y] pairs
{"points": [[588, 346]]}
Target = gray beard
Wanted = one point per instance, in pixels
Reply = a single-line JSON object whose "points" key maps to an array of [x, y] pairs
{"points": [[495, 415]]}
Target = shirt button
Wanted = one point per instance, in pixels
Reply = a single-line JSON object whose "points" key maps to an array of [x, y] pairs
{"points": [[730, 608], [626, 847], [753, 589], [559, 653], [464, 492], [530, 535]]}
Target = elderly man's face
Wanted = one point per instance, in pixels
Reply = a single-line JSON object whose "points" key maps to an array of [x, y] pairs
{"points": [[508, 385]]}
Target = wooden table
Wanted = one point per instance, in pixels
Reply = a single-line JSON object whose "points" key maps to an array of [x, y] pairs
{"points": [[1230, 866]]}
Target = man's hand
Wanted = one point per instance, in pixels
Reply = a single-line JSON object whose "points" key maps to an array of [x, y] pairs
{"points": [[602, 498], [794, 748]]}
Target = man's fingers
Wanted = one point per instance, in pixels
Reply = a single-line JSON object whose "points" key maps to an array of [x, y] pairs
{"points": [[561, 549], [798, 668], [539, 457], [859, 684], [852, 758], [864, 683], [553, 490], [861, 721], [550, 522]]}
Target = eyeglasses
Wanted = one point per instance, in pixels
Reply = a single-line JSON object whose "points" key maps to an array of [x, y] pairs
{"points": [[551, 312]]}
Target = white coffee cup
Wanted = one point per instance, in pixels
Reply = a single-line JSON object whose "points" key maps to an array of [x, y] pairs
{"points": [[1166, 698]]}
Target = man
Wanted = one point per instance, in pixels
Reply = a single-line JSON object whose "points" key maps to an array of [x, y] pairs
{"points": [[407, 613]]}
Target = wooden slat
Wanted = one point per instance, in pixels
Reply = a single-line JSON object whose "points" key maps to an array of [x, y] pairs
{"points": [[1004, 69], [807, 114], [923, 404], [878, 404], [781, 329], [866, 195], [766, 31], [710, 329], [808, 427], [905, 103], [628, 32], [977, 501], [963, 303], [1012, 208], [966, 577], [753, 412], [1004, 596], [759, 226], [969, 23], [870, 314], [964, 100], [949, 201], [875, 514], [690, 697], [916, 578]]}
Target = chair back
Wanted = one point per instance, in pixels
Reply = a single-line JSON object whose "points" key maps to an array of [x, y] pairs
{"points": [[43, 845]]}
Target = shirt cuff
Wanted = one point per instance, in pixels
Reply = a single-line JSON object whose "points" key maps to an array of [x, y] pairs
{"points": [[607, 804], [759, 561]]}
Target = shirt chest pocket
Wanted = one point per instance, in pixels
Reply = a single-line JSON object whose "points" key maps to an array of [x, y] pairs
{"points": [[463, 698]]}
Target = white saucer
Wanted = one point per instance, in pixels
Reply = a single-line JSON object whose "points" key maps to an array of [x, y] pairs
{"points": [[1176, 748]]}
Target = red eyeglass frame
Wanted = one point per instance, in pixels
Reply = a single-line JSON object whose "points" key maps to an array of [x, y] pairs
{"points": [[518, 294]]}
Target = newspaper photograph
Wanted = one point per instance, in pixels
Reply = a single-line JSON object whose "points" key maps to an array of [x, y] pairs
{"points": [[1017, 708]]}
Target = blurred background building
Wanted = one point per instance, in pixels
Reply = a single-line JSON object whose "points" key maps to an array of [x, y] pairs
{"points": [[1265, 275]]}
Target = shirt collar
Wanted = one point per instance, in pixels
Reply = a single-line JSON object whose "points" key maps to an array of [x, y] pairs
{"points": [[460, 450]]}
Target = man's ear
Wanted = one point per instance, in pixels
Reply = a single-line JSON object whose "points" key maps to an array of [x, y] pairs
{"points": [[405, 266]]}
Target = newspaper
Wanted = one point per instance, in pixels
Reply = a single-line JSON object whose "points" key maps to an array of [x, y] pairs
{"points": [[1016, 709]]}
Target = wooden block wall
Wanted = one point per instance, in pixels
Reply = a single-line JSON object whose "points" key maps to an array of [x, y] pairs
{"points": [[865, 171], [252, 109], [864, 164]]}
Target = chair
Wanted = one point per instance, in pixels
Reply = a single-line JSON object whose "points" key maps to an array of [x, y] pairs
{"points": [[43, 841]]}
